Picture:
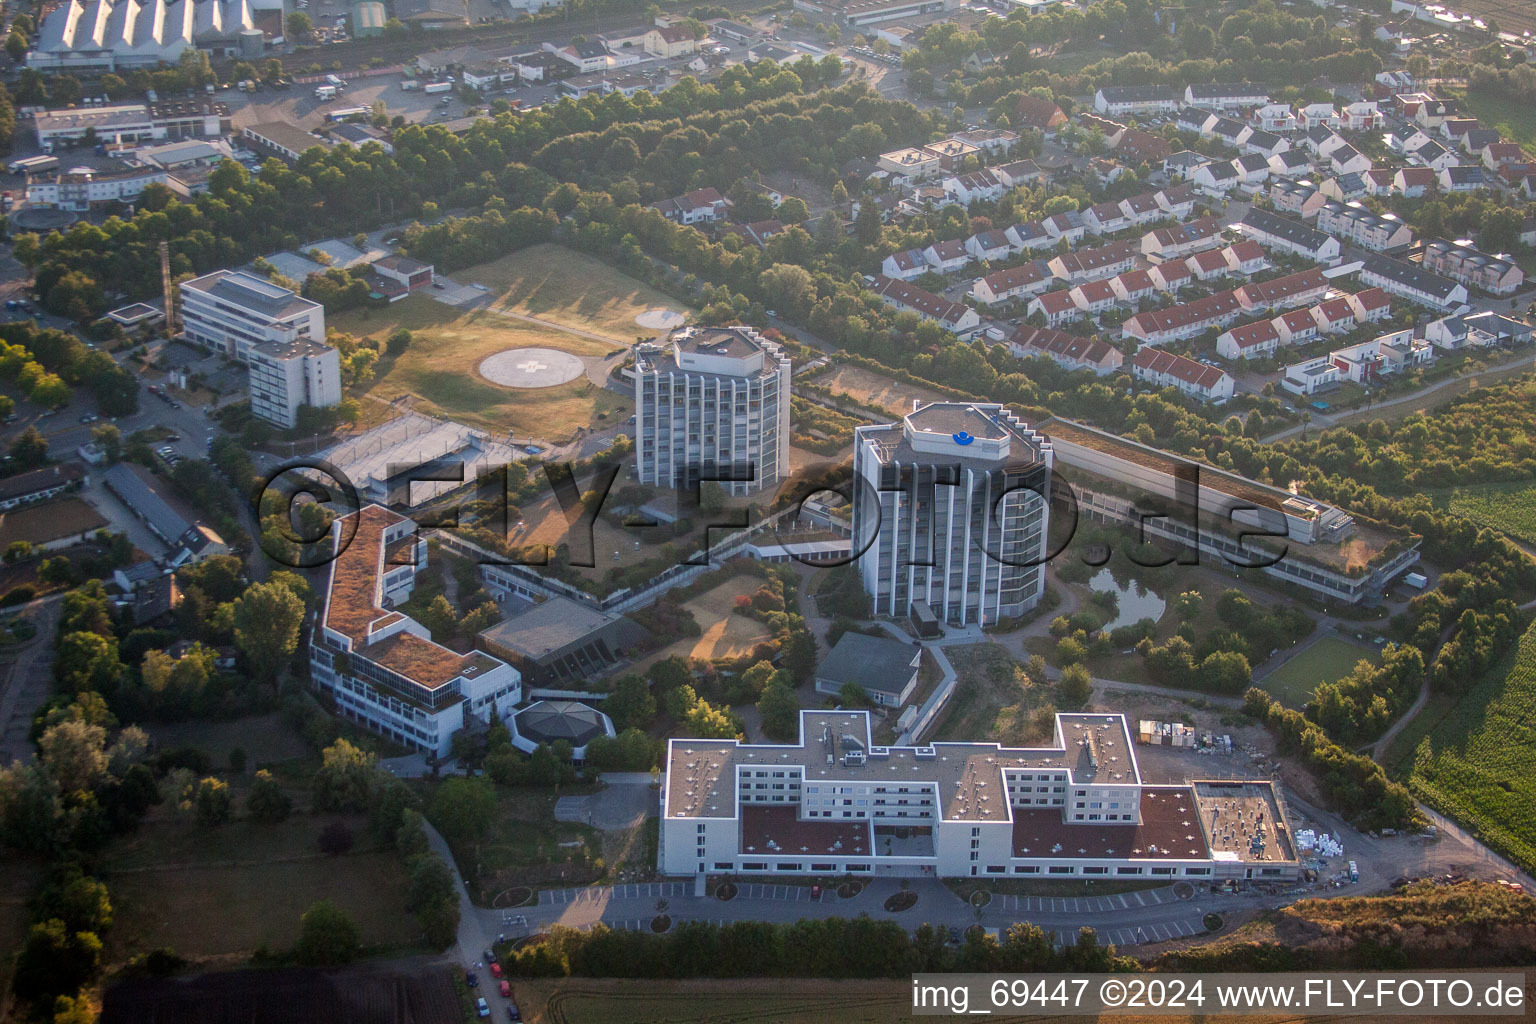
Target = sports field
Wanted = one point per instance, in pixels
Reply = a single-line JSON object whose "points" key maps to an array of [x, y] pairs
{"points": [[1330, 659], [556, 284], [1474, 759], [441, 369], [1510, 507]]}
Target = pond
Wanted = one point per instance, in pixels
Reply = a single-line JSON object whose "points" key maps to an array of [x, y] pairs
{"points": [[1136, 602]]}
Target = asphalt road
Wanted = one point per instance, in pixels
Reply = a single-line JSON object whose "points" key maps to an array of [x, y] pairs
{"points": [[28, 682]]}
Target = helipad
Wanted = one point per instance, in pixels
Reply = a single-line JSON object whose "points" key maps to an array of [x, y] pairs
{"points": [[531, 368]]}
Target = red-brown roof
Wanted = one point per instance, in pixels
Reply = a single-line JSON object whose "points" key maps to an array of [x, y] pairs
{"points": [[1169, 829], [1155, 360], [1039, 113], [1251, 335]]}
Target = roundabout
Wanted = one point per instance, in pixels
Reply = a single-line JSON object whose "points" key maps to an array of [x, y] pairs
{"points": [[531, 368]]}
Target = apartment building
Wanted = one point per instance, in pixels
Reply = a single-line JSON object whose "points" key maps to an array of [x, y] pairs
{"points": [[379, 665], [1196, 379], [231, 312], [287, 375], [1116, 100], [1286, 235], [1359, 226], [1412, 282], [1177, 323], [955, 317], [1226, 95], [1015, 283], [833, 803], [1460, 261], [712, 403], [1066, 350], [953, 503], [1250, 341], [1297, 289], [1090, 264]]}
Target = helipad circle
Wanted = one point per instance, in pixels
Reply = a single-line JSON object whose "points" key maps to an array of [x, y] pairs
{"points": [[531, 367], [660, 319]]}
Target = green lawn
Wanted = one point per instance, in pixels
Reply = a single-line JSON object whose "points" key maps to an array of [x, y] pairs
{"points": [[1510, 507], [1515, 119], [1329, 659], [1475, 759]]}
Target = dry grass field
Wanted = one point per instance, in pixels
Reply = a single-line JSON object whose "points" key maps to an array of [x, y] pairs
{"points": [[441, 369], [231, 889], [565, 287], [875, 390]]}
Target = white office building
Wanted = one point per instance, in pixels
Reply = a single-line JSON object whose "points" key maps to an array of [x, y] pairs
{"points": [[712, 403], [285, 375], [834, 804], [231, 312], [952, 504], [379, 665]]}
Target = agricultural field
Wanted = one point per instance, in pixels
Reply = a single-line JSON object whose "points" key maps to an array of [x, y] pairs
{"points": [[1509, 507], [1475, 759], [233, 889], [565, 287], [1328, 660], [441, 368]]}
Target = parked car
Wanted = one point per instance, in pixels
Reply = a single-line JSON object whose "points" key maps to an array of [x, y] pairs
{"points": [[490, 956], [482, 1008], [512, 1013], [495, 969], [505, 988], [471, 979]]}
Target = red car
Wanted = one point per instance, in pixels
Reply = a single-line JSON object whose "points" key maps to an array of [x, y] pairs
{"points": [[495, 970], [506, 989]]}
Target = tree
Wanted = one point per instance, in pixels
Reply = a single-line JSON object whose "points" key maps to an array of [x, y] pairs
{"points": [[110, 439], [630, 703], [30, 449], [1187, 605], [708, 722], [299, 25], [346, 778], [463, 808], [267, 620], [266, 802], [77, 899], [74, 753], [867, 227], [54, 961], [790, 288], [327, 936], [214, 804], [1074, 687], [335, 839], [16, 45], [18, 551], [779, 712], [440, 619], [56, 571], [794, 211]]}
